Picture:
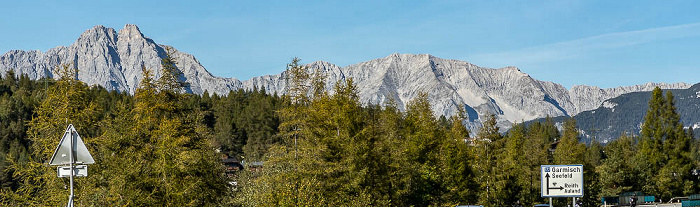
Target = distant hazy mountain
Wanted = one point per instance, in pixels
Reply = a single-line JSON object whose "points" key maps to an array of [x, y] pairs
{"points": [[625, 114], [114, 60]]}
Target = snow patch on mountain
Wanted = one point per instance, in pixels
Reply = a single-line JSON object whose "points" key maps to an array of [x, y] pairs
{"points": [[609, 105]]}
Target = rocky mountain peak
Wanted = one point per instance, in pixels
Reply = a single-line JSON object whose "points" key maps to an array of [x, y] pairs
{"points": [[114, 61], [403, 57], [512, 69], [96, 34], [130, 32]]}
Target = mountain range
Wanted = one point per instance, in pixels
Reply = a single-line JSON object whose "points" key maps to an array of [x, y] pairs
{"points": [[114, 60], [625, 114]]}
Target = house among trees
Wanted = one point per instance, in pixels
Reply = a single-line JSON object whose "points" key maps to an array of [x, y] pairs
{"points": [[255, 166], [232, 165]]}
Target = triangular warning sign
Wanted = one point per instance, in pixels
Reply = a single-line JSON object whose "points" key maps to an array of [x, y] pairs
{"points": [[80, 153]]}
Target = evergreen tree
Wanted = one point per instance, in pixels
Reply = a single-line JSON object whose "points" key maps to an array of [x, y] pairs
{"points": [[292, 174], [169, 80], [512, 183], [458, 175], [535, 153], [422, 138], [487, 146], [620, 175], [18, 99], [674, 177], [175, 166], [569, 150], [65, 103]]}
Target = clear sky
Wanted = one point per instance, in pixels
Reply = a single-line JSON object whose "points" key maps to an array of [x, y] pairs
{"points": [[602, 43]]}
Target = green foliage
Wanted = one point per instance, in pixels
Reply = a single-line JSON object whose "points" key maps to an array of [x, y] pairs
{"points": [[170, 79], [66, 101], [663, 160], [175, 162], [569, 149], [18, 98], [157, 148], [487, 146], [245, 123], [459, 183], [150, 150], [338, 153]]}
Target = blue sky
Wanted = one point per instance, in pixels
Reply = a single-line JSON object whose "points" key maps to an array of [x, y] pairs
{"points": [[601, 43]]}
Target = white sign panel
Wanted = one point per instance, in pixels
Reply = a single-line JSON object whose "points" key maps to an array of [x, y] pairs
{"points": [[561, 180], [61, 155], [78, 171]]}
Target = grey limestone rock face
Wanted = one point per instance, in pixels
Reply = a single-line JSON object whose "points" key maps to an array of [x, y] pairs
{"points": [[510, 94], [115, 60], [591, 97]]}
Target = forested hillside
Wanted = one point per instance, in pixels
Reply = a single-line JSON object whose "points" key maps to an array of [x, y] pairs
{"points": [[625, 114], [159, 146], [162, 147]]}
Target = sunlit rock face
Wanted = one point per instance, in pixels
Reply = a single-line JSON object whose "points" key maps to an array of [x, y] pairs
{"points": [[115, 60]]}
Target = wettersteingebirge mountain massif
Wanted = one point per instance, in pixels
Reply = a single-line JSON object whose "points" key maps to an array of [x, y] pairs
{"points": [[113, 59]]}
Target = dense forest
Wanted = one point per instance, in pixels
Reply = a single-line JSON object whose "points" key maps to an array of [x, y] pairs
{"points": [[162, 147]]}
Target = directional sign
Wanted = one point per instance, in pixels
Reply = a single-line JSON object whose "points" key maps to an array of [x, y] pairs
{"points": [[80, 153], [561, 180], [78, 171]]}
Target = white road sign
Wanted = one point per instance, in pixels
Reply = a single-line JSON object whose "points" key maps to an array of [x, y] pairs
{"points": [[71, 150], [80, 153], [78, 171], [561, 180]]}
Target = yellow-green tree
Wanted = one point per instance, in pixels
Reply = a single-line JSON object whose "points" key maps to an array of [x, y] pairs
{"points": [[456, 159], [157, 153], [149, 151], [488, 145], [66, 103]]}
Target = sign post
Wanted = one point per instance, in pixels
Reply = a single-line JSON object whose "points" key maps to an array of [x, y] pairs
{"points": [[69, 153], [561, 181]]}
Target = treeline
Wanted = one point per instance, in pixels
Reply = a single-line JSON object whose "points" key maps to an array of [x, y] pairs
{"points": [[161, 147], [334, 151], [157, 147]]}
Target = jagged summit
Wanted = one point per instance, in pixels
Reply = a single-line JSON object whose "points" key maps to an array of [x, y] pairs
{"points": [[114, 59], [130, 32], [96, 34]]}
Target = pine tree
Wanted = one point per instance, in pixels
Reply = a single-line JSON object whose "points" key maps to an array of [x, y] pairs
{"points": [[674, 176], [422, 141], [65, 103], [536, 147], [175, 165], [569, 150], [292, 175], [511, 184], [620, 175], [648, 159], [170, 78], [487, 146], [458, 175]]}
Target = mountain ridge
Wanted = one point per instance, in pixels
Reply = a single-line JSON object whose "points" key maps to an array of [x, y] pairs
{"points": [[625, 114], [113, 59]]}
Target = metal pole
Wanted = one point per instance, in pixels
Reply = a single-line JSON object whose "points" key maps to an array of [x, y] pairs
{"points": [[296, 164], [70, 200], [550, 201]]}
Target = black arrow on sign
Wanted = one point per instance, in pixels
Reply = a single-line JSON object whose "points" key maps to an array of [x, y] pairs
{"points": [[554, 188]]}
